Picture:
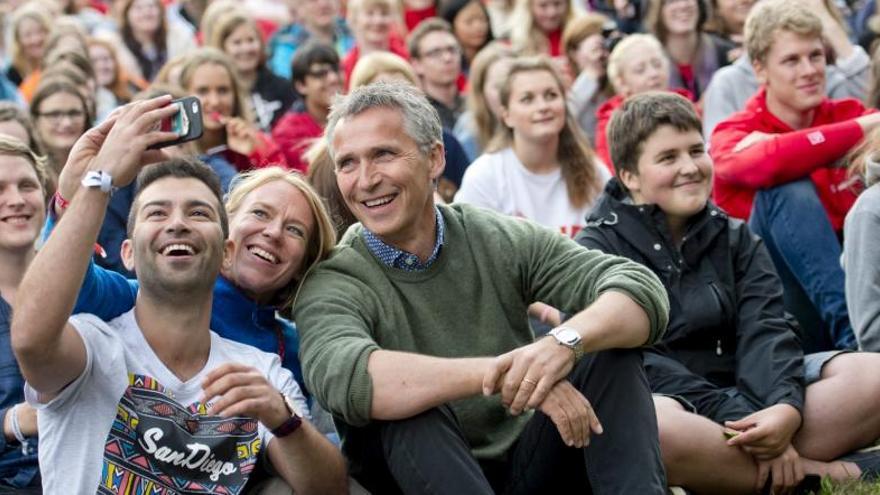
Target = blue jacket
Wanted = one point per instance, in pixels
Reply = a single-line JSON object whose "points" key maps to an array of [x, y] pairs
{"points": [[234, 316], [286, 40]]}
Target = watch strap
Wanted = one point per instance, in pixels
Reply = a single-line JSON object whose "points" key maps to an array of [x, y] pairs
{"points": [[292, 423], [577, 348]]}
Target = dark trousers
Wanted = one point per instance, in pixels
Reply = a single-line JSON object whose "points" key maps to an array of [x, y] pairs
{"points": [[428, 454], [806, 252]]}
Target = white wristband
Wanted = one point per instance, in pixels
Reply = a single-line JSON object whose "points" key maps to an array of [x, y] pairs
{"points": [[99, 179], [16, 430]]}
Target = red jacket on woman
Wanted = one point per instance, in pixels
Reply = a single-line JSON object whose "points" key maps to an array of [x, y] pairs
{"points": [[789, 156]]}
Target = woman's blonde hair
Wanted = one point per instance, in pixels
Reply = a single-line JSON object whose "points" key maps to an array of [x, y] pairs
{"points": [[318, 245], [525, 36], [122, 82], [12, 112], [322, 176], [241, 106], [212, 14], [620, 54], [579, 29], [858, 158], [487, 124], [575, 157], [227, 23], [373, 64], [27, 11], [355, 7], [170, 72]]}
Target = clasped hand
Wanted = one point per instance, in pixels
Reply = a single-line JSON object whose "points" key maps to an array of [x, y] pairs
{"points": [[533, 377], [767, 435]]}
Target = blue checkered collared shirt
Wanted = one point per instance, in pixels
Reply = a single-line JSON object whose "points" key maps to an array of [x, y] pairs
{"points": [[397, 258]]}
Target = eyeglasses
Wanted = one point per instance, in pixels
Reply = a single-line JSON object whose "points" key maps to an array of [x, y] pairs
{"points": [[322, 72], [438, 52], [57, 116]]}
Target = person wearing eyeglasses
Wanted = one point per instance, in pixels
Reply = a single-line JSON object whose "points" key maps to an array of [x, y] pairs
{"points": [[61, 115], [436, 58], [317, 78]]}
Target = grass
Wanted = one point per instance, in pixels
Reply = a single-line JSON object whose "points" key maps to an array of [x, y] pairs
{"points": [[849, 488]]}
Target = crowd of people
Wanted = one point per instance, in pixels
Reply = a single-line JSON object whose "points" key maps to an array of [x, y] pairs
{"points": [[439, 246]]}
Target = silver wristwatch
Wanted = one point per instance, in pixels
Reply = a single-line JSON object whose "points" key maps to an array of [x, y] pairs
{"points": [[569, 338]]}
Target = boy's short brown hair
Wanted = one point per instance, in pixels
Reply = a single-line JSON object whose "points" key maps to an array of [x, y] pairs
{"points": [[639, 117]]}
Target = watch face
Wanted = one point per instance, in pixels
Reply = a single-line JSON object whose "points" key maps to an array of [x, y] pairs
{"points": [[568, 336]]}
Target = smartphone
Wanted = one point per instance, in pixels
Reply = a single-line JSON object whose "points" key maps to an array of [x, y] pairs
{"points": [[187, 123]]}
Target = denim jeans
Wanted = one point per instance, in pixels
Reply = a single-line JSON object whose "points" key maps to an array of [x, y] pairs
{"points": [[806, 252], [428, 453]]}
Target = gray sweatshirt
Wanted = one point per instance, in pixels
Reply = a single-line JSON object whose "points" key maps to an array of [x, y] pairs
{"points": [[861, 262], [733, 85]]}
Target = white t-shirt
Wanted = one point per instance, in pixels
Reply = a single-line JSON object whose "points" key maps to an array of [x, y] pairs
{"points": [[500, 182], [129, 425]]}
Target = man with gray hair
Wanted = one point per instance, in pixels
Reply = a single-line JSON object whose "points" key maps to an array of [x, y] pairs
{"points": [[414, 333]]}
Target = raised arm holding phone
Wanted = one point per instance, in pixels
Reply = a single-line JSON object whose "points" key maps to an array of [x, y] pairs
{"points": [[156, 376]]}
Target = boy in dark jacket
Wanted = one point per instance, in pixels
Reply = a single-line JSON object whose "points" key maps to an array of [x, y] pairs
{"points": [[729, 356]]}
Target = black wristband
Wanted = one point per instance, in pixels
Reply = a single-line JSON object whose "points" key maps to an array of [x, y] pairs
{"points": [[286, 428]]}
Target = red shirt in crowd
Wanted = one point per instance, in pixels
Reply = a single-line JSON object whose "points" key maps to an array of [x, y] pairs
{"points": [[396, 46], [791, 155], [412, 17], [294, 133], [265, 154]]}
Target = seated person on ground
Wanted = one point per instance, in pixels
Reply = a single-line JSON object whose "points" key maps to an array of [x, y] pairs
{"points": [[317, 79], [153, 395], [733, 86], [541, 167], [776, 165], [414, 332], [436, 58], [23, 195], [730, 360], [860, 253]]}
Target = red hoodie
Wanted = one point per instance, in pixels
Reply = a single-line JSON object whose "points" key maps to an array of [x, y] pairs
{"points": [[603, 116], [294, 133], [790, 156]]}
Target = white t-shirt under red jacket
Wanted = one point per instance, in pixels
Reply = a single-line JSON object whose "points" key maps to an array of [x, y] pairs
{"points": [[500, 182], [127, 424]]}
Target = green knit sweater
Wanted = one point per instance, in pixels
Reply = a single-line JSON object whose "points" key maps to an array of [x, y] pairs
{"points": [[471, 302]]}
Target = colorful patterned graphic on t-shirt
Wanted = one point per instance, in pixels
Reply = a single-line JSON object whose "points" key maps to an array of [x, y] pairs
{"points": [[157, 446]]}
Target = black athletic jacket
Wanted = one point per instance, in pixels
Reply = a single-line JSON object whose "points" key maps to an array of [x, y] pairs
{"points": [[727, 322]]}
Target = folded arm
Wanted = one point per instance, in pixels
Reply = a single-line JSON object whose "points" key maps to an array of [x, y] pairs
{"points": [[781, 158]]}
